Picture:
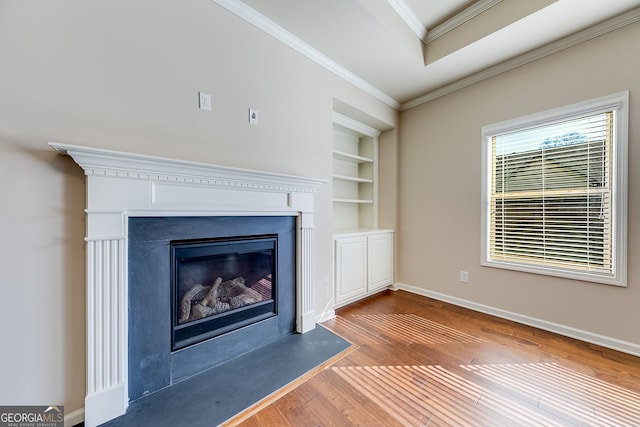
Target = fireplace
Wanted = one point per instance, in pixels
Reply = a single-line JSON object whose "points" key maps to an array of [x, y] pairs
{"points": [[201, 292], [218, 285], [123, 188]]}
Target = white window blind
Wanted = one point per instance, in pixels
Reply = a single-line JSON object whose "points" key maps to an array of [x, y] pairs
{"points": [[551, 194], [554, 191]]}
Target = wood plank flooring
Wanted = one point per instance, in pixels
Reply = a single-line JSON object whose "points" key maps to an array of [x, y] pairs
{"points": [[421, 362]]}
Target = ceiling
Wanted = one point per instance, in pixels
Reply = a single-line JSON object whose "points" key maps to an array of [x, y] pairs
{"points": [[403, 50]]}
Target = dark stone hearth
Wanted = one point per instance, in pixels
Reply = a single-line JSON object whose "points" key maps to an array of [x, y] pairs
{"points": [[218, 394]]}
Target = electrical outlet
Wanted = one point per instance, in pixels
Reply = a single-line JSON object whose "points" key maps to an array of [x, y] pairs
{"points": [[204, 101], [464, 276]]}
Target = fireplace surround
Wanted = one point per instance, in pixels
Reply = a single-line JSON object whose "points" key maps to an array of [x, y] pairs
{"points": [[153, 363], [122, 186]]}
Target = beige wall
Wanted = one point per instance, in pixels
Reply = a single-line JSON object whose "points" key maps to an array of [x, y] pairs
{"points": [[124, 76], [439, 210]]}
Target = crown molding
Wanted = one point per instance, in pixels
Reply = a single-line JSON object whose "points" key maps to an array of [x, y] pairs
{"points": [[252, 16], [409, 17], [265, 24], [459, 19], [598, 30]]}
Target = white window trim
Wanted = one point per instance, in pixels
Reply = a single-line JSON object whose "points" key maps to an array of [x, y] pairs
{"points": [[619, 103]]}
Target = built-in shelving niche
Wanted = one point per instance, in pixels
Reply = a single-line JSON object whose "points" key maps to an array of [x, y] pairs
{"points": [[363, 253], [355, 175]]}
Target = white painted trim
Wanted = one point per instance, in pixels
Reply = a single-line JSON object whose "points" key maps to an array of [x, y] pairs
{"points": [[116, 164], [265, 24], [74, 418], [608, 26], [568, 331], [466, 15], [327, 315], [619, 103], [106, 404], [328, 312], [349, 123], [122, 185], [409, 17], [615, 101]]}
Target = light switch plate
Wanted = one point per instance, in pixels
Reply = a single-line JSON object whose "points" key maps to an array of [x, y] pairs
{"points": [[204, 101]]}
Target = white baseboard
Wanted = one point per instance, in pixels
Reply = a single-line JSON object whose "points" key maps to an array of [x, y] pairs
{"points": [[105, 405], [568, 331], [74, 418], [327, 315]]}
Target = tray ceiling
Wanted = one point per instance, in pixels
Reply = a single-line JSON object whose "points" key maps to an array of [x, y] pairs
{"points": [[402, 50]]}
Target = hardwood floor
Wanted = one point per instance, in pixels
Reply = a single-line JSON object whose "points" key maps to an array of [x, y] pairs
{"points": [[418, 362]]}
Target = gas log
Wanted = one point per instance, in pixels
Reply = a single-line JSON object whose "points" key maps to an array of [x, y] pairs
{"points": [[203, 301]]}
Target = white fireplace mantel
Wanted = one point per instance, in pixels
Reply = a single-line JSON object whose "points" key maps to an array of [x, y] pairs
{"points": [[122, 185]]}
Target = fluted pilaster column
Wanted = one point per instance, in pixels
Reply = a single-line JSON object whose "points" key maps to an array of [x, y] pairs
{"points": [[306, 311], [106, 330]]}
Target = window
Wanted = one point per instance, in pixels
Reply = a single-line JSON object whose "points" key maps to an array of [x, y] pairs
{"points": [[554, 192]]}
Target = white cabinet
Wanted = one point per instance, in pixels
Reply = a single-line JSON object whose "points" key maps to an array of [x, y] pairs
{"points": [[350, 268], [380, 261], [363, 264]]}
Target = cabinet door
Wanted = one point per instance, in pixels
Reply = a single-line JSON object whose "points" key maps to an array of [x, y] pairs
{"points": [[380, 249], [350, 268]]}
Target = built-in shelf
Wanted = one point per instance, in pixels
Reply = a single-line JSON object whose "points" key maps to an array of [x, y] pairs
{"points": [[364, 201], [352, 178], [355, 175], [341, 155]]}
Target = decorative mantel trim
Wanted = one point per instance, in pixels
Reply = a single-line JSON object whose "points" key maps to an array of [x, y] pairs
{"points": [[101, 162], [122, 185]]}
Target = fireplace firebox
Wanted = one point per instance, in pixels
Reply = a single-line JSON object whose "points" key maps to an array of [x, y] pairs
{"points": [[219, 285]]}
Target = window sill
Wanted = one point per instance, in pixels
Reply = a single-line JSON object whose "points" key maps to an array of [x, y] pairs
{"points": [[602, 278]]}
